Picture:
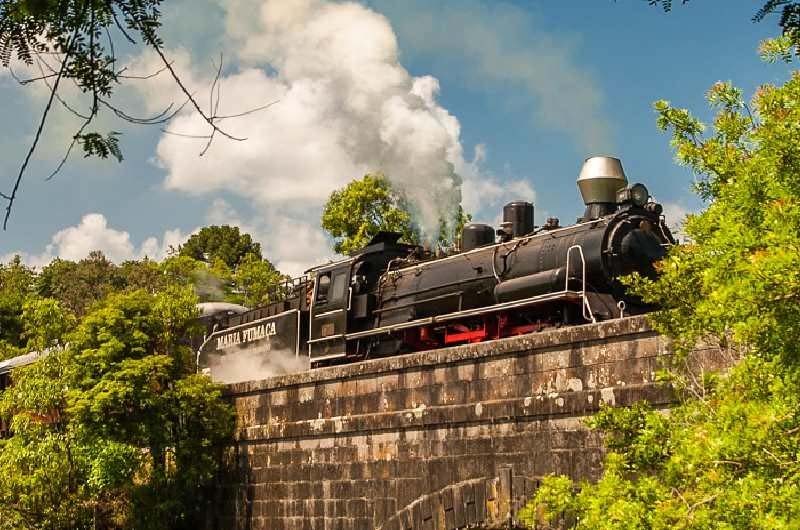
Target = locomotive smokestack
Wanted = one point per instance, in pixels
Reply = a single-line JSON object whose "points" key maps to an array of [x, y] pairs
{"points": [[599, 180]]}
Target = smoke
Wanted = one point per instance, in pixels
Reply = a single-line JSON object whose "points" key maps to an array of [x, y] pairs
{"points": [[208, 287], [254, 364], [345, 107]]}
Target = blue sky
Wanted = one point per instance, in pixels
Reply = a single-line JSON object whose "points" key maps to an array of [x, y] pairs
{"points": [[534, 86]]}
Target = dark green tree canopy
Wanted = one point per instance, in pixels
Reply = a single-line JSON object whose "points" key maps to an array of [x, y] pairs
{"points": [[79, 284], [16, 283], [225, 243]]}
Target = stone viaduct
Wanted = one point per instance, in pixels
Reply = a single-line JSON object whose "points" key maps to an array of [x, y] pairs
{"points": [[443, 440]]}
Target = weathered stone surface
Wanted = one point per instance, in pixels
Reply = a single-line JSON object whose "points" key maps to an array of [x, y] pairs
{"points": [[435, 440]]}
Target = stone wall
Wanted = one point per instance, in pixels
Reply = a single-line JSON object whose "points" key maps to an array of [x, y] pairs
{"points": [[435, 440]]}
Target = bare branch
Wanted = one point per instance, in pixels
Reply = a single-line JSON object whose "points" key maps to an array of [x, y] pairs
{"points": [[111, 47], [182, 135], [10, 198], [162, 117], [69, 149], [58, 97], [29, 80], [213, 106], [245, 113], [152, 41], [149, 76], [93, 112], [119, 25]]}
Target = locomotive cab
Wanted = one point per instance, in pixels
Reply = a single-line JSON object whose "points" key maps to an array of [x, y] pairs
{"points": [[343, 300]]}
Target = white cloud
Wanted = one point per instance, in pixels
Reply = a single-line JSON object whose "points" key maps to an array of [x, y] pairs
{"points": [[503, 45], [346, 106], [93, 233], [675, 216], [292, 243]]}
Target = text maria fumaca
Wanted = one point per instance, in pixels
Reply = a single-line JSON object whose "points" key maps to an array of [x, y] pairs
{"points": [[243, 336]]}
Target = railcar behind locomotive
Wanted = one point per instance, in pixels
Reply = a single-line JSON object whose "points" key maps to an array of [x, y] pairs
{"points": [[390, 298]]}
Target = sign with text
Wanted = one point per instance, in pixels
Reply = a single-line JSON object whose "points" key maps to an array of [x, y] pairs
{"points": [[253, 351]]}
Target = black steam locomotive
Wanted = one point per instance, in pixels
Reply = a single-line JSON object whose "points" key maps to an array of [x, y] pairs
{"points": [[389, 298]]}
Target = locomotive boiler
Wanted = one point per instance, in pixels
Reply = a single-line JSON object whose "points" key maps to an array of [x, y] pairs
{"points": [[390, 298]]}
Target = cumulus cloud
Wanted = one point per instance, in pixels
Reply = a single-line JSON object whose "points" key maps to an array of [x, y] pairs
{"points": [[345, 106], [289, 240], [675, 216], [93, 233], [504, 45]]}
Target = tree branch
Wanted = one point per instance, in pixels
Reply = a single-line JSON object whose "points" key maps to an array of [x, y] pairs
{"points": [[152, 42], [12, 197]]}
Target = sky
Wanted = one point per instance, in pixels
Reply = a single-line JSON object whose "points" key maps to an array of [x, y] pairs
{"points": [[475, 102]]}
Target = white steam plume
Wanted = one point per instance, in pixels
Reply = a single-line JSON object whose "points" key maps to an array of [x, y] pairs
{"points": [[254, 364], [345, 107]]}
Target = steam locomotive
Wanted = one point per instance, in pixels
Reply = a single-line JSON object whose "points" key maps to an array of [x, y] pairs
{"points": [[391, 298]]}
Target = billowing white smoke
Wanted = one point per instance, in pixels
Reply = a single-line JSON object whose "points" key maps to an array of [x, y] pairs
{"points": [[346, 106], [254, 364]]}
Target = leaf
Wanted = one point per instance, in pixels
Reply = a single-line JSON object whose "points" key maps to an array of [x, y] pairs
{"points": [[94, 144]]}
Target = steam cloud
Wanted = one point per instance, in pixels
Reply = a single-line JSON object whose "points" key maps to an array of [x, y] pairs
{"points": [[254, 364], [345, 107]]}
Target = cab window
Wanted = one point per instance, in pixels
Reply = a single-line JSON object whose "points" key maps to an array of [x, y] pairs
{"points": [[323, 286], [339, 284]]}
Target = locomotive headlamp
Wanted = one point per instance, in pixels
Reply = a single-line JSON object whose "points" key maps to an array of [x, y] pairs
{"points": [[636, 195]]}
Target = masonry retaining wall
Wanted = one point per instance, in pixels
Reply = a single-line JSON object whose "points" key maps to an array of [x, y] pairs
{"points": [[435, 440]]}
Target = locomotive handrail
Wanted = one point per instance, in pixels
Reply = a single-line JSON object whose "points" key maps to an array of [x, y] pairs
{"points": [[585, 307]]}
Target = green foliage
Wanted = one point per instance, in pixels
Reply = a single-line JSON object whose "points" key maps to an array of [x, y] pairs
{"points": [[143, 274], [224, 243], [112, 429], [95, 144], [254, 280], [16, 283], [80, 284], [73, 28], [356, 213], [728, 456], [79, 33]]}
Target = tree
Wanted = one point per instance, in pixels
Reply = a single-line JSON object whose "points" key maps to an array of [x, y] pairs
{"points": [[355, 213], [224, 242], [80, 284], [255, 281], [143, 274], [727, 455], [112, 429], [16, 284], [74, 41]]}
